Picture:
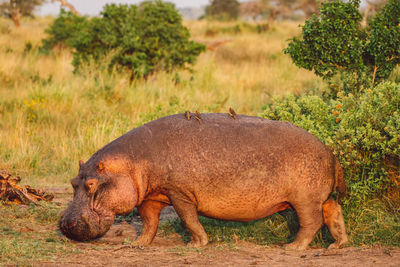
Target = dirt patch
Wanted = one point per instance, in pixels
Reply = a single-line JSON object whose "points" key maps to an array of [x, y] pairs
{"points": [[171, 251]]}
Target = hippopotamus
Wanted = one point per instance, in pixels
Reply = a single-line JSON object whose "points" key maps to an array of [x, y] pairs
{"points": [[223, 166]]}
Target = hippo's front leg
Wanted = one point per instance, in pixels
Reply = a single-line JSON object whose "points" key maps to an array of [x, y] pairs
{"points": [[188, 213], [150, 213]]}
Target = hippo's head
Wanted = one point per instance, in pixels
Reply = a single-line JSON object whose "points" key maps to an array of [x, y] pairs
{"points": [[102, 190]]}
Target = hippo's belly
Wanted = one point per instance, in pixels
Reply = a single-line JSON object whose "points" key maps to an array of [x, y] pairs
{"points": [[241, 197], [243, 213], [240, 205]]}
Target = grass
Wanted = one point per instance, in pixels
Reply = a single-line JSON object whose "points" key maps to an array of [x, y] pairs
{"points": [[32, 235], [373, 223], [279, 228], [50, 118]]}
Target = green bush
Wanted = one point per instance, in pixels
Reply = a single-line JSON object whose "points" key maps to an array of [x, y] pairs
{"points": [[141, 39], [363, 131], [63, 31], [383, 45], [335, 43]]}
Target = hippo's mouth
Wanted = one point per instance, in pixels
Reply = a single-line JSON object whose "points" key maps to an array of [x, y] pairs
{"points": [[92, 223]]}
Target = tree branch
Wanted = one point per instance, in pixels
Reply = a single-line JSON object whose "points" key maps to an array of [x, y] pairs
{"points": [[69, 6], [339, 67], [374, 75], [15, 13]]}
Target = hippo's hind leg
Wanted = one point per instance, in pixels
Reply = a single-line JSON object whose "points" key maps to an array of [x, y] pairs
{"points": [[333, 219], [149, 211], [188, 213], [310, 218]]}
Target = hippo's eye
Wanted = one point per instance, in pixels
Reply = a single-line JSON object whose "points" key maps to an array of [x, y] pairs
{"points": [[100, 191]]}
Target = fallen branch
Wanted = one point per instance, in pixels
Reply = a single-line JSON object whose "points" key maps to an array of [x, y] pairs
{"points": [[11, 192]]}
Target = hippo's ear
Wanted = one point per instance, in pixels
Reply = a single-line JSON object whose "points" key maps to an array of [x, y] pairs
{"points": [[80, 163], [100, 166]]}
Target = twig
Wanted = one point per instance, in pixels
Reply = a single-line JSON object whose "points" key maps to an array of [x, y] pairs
{"points": [[339, 67], [123, 247], [373, 75]]}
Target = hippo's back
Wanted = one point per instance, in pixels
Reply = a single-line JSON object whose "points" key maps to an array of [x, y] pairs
{"points": [[218, 145], [220, 136], [217, 140]]}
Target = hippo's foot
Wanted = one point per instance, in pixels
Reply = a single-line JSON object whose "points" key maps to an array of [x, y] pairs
{"points": [[197, 243], [334, 245], [143, 241], [296, 246], [338, 244]]}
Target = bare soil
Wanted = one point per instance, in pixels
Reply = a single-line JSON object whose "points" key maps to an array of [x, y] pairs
{"points": [[114, 249]]}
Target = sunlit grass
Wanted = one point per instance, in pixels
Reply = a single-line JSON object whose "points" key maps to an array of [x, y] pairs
{"points": [[29, 234]]}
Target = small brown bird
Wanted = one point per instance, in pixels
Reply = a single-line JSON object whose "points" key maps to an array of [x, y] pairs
{"points": [[232, 113], [197, 116], [188, 115]]}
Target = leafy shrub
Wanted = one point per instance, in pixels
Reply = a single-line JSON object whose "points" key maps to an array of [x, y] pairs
{"points": [[142, 39], [364, 133], [383, 45], [63, 31], [334, 42]]}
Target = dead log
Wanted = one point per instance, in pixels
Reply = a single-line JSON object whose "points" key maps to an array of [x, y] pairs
{"points": [[11, 192]]}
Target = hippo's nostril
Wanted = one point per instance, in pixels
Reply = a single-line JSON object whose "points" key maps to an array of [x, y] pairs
{"points": [[85, 218]]}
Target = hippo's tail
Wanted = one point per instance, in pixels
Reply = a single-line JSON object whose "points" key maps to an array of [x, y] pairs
{"points": [[340, 184]]}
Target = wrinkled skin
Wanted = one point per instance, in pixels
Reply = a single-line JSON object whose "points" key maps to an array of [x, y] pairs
{"points": [[221, 166]]}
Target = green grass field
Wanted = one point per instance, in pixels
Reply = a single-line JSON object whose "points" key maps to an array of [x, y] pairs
{"points": [[50, 118]]}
